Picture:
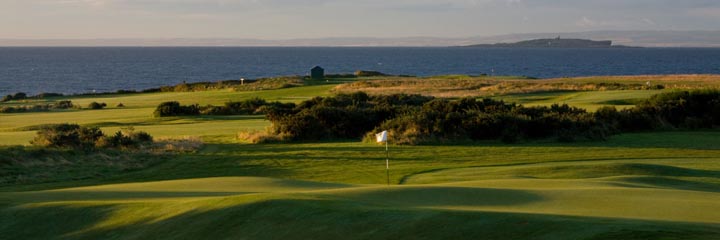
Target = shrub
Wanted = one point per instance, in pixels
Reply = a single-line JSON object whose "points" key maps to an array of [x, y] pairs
{"points": [[255, 136], [362, 73], [678, 109], [67, 135], [245, 107], [413, 119], [47, 95], [16, 96], [65, 104], [126, 138], [75, 136], [19, 96], [174, 108], [96, 105], [342, 116]]}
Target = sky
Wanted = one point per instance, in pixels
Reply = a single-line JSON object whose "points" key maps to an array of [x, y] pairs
{"points": [[292, 19]]}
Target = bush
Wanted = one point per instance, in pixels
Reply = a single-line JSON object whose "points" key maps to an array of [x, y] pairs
{"points": [[362, 73], [342, 116], [174, 108], [47, 95], [76, 136], [16, 96], [67, 136], [127, 138], [672, 110], [65, 104], [415, 119], [96, 105], [259, 137], [246, 107]]}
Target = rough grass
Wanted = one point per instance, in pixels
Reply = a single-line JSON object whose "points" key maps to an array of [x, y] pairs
{"points": [[483, 86]]}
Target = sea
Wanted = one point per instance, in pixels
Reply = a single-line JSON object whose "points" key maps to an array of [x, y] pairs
{"points": [[71, 70]]}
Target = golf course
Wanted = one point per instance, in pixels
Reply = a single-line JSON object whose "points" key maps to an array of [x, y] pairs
{"points": [[202, 180]]}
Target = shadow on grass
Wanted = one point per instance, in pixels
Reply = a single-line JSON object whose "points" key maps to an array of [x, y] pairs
{"points": [[674, 183], [34, 197], [435, 196], [702, 139], [48, 222], [592, 171], [335, 219]]}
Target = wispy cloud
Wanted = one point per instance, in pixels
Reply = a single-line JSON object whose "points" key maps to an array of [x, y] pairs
{"points": [[587, 22], [283, 18], [712, 12]]}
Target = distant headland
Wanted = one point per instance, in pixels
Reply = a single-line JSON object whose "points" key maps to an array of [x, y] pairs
{"points": [[552, 43]]}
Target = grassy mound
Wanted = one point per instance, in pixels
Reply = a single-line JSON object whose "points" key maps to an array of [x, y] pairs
{"points": [[302, 210], [563, 170]]}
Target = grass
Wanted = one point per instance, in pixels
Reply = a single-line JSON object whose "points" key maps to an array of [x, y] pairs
{"points": [[484, 86], [590, 100], [660, 185], [243, 207], [19, 128]]}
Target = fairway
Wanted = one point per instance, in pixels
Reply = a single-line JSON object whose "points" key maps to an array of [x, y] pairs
{"points": [[643, 185]]}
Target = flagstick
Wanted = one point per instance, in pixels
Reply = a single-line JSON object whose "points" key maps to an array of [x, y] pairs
{"points": [[387, 163]]}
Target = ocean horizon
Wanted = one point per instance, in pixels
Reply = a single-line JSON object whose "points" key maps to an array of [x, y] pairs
{"points": [[72, 70]]}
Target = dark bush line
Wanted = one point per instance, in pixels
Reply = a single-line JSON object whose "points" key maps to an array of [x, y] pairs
{"points": [[65, 104], [22, 96], [414, 119], [246, 107], [16, 96], [78, 137], [342, 116], [96, 105], [174, 108]]}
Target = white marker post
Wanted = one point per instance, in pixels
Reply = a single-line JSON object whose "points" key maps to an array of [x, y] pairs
{"points": [[383, 137]]}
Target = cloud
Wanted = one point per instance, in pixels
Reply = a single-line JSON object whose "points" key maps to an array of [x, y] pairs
{"points": [[648, 21], [713, 12], [221, 6], [287, 18], [587, 22]]}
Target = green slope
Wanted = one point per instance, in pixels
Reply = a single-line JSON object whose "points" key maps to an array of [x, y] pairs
{"points": [[255, 208]]}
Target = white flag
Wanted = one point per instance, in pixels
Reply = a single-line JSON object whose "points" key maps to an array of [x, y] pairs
{"points": [[382, 137]]}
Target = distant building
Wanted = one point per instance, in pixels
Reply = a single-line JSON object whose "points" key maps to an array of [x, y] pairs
{"points": [[317, 72]]}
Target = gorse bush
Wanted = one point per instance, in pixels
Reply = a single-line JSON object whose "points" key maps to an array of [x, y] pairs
{"points": [[487, 119], [67, 136], [342, 116], [65, 104], [75, 136], [38, 107], [16, 96], [414, 119], [246, 107], [96, 105], [365, 73], [672, 110], [173, 108], [126, 138]]}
